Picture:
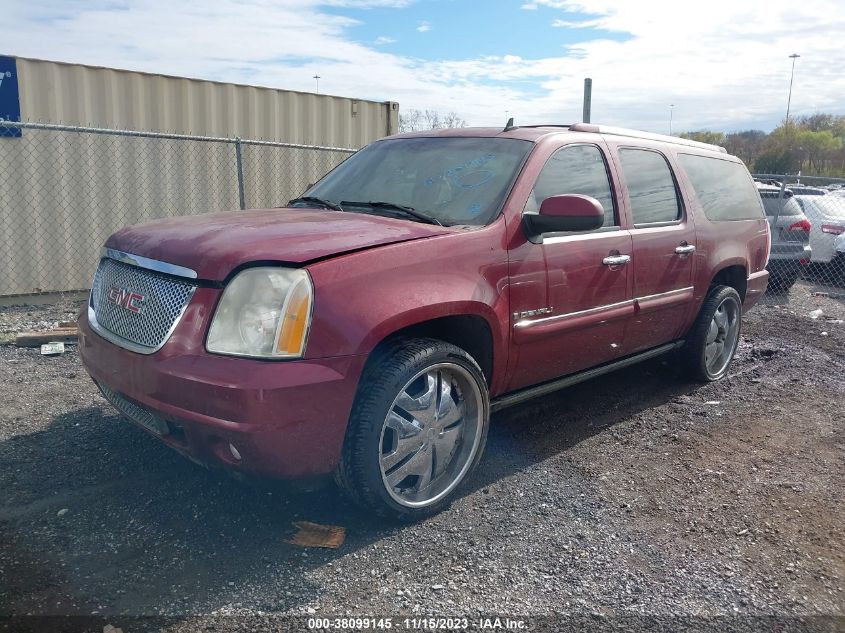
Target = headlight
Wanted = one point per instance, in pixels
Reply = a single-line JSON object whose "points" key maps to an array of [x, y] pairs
{"points": [[265, 313]]}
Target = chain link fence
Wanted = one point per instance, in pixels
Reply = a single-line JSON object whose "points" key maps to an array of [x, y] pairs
{"points": [[64, 190], [807, 219]]}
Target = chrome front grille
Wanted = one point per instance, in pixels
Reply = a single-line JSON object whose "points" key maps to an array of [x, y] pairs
{"points": [[135, 307]]}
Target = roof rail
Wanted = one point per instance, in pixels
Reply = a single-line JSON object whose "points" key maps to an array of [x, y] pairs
{"points": [[619, 131]]}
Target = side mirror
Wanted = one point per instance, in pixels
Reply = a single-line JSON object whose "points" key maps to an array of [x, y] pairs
{"points": [[569, 212]]}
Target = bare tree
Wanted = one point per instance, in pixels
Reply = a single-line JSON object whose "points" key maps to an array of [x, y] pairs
{"points": [[452, 120], [410, 121], [418, 121]]}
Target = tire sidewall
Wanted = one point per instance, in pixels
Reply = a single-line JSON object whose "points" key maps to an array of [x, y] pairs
{"points": [[369, 449], [719, 296]]}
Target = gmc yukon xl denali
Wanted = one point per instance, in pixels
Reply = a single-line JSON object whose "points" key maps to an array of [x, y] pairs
{"points": [[369, 329]]}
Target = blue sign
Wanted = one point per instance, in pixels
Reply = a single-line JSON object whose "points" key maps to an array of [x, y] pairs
{"points": [[10, 101]]}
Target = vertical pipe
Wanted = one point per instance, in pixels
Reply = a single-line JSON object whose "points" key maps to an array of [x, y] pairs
{"points": [[239, 165], [588, 99], [793, 57]]}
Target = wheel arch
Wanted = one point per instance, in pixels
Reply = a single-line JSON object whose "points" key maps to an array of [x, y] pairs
{"points": [[734, 275], [471, 332]]}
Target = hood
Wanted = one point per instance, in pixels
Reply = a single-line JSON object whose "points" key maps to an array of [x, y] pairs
{"points": [[215, 244]]}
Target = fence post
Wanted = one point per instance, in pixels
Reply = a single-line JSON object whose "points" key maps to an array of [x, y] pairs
{"points": [[240, 167]]}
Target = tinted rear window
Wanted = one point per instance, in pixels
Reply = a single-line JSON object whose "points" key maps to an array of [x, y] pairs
{"points": [[724, 188], [651, 187], [775, 205], [833, 206]]}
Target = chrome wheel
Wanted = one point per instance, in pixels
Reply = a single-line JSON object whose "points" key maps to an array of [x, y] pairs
{"points": [[722, 337], [431, 435]]}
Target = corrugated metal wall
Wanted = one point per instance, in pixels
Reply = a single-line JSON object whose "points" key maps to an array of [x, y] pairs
{"points": [[73, 94], [62, 193]]}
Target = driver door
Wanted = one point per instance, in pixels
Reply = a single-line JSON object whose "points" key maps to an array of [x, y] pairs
{"points": [[587, 278]]}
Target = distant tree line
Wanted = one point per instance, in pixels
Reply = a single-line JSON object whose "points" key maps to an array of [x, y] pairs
{"points": [[812, 145], [422, 120]]}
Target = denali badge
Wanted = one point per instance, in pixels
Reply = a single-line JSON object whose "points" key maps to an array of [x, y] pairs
{"points": [[126, 299], [530, 313]]}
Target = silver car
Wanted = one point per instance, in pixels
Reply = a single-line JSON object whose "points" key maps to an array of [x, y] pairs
{"points": [[790, 230]]}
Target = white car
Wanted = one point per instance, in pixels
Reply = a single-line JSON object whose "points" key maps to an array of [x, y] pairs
{"points": [[827, 219]]}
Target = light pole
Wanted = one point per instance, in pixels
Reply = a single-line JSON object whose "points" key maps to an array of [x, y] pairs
{"points": [[671, 110], [793, 57], [317, 79]]}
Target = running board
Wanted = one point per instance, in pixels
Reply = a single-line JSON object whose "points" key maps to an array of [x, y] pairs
{"points": [[518, 397]]}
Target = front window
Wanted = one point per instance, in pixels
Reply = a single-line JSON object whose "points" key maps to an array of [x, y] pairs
{"points": [[579, 169], [455, 180]]}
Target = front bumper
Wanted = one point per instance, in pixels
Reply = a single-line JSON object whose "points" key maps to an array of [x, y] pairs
{"points": [[286, 419]]}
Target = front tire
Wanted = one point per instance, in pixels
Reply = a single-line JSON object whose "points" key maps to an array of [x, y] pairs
{"points": [[713, 339], [417, 429]]}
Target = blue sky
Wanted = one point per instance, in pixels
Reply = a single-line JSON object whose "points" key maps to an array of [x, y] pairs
{"points": [[723, 64], [438, 29]]}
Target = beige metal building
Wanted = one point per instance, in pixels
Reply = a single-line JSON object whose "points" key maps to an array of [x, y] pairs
{"points": [[62, 191], [74, 94]]}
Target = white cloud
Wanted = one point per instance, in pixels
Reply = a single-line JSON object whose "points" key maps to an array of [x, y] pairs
{"points": [[424, 27], [722, 63], [383, 39], [570, 24]]}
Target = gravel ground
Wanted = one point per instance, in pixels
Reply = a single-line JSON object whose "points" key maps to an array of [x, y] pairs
{"points": [[633, 494]]}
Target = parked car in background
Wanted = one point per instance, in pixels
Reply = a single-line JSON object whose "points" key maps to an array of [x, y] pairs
{"points": [[368, 329], [800, 190], [790, 228], [827, 220]]}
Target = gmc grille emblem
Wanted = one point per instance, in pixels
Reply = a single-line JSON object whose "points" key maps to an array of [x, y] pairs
{"points": [[126, 299]]}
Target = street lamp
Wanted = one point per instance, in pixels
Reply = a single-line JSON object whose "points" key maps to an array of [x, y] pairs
{"points": [[317, 79], [671, 110], [793, 57]]}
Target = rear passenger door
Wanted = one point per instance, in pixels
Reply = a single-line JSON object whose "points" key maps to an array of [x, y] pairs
{"points": [[663, 235]]}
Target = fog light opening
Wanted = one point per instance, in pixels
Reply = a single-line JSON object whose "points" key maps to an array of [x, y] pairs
{"points": [[235, 452]]}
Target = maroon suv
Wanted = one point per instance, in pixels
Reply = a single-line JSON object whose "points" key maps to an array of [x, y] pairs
{"points": [[369, 328]]}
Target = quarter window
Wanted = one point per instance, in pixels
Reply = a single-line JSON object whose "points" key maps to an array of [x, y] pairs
{"points": [[725, 189], [651, 187], [578, 169]]}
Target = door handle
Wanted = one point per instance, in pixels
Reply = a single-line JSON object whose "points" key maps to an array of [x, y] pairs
{"points": [[616, 260], [685, 249]]}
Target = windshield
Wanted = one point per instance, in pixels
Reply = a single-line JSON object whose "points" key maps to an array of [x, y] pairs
{"points": [[456, 180]]}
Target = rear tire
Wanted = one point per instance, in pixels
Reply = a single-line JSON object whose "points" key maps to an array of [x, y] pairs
{"points": [[417, 429], [711, 343], [782, 283]]}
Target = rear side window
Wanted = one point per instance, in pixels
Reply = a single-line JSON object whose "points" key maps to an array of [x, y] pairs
{"points": [[578, 169], [651, 187], [724, 188]]}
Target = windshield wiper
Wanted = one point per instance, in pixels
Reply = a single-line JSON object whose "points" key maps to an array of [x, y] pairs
{"points": [[392, 206], [321, 201]]}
